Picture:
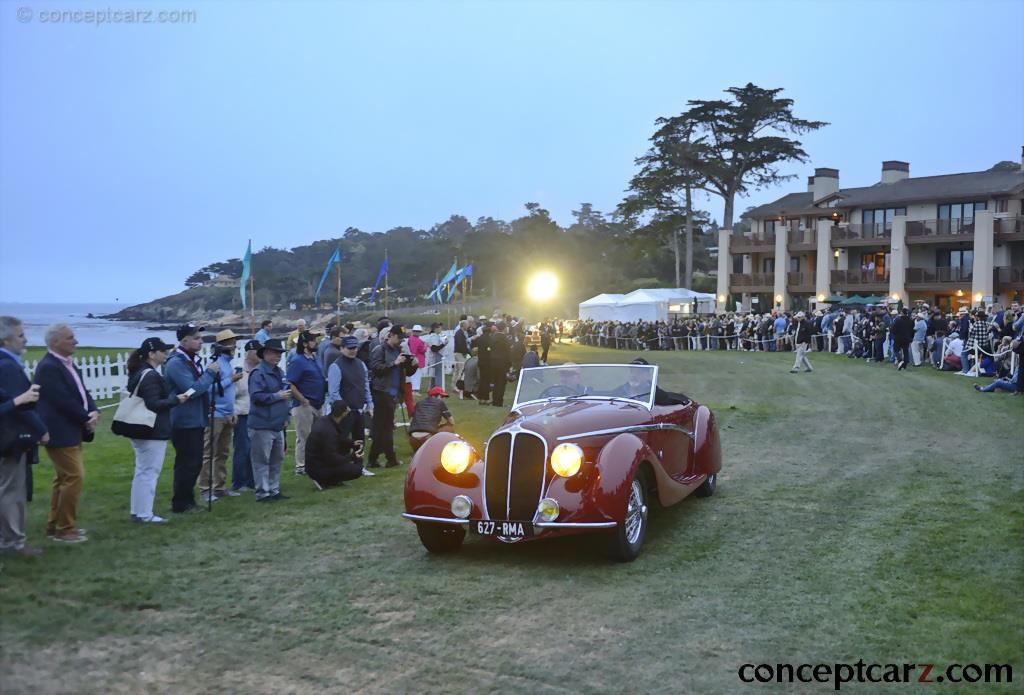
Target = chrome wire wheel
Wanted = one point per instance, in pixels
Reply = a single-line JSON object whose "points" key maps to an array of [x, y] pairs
{"points": [[636, 512]]}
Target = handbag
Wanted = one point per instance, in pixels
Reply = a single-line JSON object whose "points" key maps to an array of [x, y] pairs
{"points": [[132, 415]]}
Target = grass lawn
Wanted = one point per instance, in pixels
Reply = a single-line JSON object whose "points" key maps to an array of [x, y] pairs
{"points": [[861, 514]]}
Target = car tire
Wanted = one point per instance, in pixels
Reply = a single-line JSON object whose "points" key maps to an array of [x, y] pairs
{"points": [[629, 536], [439, 538], [707, 488]]}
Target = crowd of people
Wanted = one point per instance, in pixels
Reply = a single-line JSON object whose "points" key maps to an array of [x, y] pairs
{"points": [[338, 384], [979, 342]]}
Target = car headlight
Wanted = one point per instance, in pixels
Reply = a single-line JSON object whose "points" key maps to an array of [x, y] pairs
{"points": [[547, 510], [457, 456], [462, 506], [566, 459]]}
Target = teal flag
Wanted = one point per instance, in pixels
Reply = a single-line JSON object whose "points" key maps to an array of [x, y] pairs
{"points": [[335, 258], [448, 277], [246, 266]]}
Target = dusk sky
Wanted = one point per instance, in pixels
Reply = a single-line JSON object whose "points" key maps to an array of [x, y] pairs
{"points": [[133, 154]]}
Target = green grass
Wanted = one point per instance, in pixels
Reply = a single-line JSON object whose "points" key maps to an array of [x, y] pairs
{"points": [[861, 514], [32, 353]]}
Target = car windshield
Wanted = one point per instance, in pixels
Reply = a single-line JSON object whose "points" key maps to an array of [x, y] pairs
{"points": [[632, 381]]}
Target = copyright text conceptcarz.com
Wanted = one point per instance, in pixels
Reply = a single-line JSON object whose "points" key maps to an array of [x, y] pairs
{"points": [[100, 17]]}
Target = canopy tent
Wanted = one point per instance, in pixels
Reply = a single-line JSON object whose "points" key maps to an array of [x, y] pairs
{"points": [[653, 304], [877, 299], [855, 300], [835, 299]]}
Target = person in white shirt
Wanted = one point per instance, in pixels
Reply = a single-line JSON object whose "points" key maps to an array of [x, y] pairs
{"points": [[241, 463], [436, 342]]}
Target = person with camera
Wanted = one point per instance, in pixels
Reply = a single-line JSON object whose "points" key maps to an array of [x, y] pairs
{"points": [[308, 386], [389, 366], [217, 440], [184, 374], [268, 414], [21, 430], [149, 443], [241, 461], [331, 455]]}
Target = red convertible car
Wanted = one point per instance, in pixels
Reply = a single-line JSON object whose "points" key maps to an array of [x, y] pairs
{"points": [[586, 448]]}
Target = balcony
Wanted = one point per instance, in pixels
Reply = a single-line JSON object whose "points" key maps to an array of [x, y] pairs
{"points": [[871, 280], [801, 240], [861, 235], [940, 231], [751, 282], [1009, 229], [1008, 278], [752, 244], [925, 278], [801, 282]]}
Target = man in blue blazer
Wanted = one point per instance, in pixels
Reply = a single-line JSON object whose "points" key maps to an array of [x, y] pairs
{"points": [[20, 429], [69, 413], [184, 373]]}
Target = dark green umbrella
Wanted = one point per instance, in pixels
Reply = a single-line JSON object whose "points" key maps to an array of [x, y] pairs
{"points": [[855, 300], [835, 299]]}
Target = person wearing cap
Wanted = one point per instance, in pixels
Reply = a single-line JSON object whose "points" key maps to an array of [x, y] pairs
{"points": [[430, 417], [268, 414], [388, 368], [149, 443], [348, 380], [802, 329], [332, 457], [184, 374], [217, 438], [70, 415], [308, 386], [241, 461], [418, 349]]}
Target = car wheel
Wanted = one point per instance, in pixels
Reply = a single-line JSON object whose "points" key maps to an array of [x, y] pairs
{"points": [[707, 488], [629, 535], [441, 539]]}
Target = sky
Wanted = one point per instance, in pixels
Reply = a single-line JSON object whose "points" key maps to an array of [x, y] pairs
{"points": [[132, 154]]}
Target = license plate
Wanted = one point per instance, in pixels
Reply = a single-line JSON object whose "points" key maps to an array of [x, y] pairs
{"points": [[505, 529]]}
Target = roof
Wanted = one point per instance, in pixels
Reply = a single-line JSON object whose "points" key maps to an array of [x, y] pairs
{"points": [[978, 185], [647, 296], [603, 300]]}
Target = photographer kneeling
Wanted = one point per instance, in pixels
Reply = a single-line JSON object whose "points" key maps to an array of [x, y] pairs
{"points": [[331, 457]]}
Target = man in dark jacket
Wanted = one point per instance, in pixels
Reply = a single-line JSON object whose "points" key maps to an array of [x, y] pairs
{"points": [[348, 380], [802, 329], [461, 351], [268, 415], [902, 330], [184, 373], [500, 361], [21, 429], [388, 367], [70, 414], [331, 457]]}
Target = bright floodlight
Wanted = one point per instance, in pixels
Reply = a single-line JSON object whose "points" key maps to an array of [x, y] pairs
{"points": [[542, 286]]}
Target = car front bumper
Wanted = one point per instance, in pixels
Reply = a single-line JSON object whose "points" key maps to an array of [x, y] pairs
{"points": [[536, 524]]}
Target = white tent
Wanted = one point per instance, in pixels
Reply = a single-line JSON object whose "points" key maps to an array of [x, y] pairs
{"points": [[600, 308], [655, 304]]}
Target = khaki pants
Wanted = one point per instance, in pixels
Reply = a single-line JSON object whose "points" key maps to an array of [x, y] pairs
{"points": [[218, 436], [69, 475], [12, 502], [801, 358], [460, 364], [303, 416]]}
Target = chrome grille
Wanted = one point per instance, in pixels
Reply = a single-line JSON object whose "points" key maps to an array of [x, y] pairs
{"points": [[516, 463]]}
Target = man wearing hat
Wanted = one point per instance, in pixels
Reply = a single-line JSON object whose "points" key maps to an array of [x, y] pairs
{"points": [[430, 417], [388, 367], [268, 414], [802, 330], [241, 461], [217, 439], [184, 373], [308, 385], [348, 380]]}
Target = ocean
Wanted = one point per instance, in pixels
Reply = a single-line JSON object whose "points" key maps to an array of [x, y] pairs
{"points": [[90, 332]]}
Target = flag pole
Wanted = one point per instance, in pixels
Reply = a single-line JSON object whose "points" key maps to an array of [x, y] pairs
{"points": [[337, 304], [386, 288], [252, 296]]}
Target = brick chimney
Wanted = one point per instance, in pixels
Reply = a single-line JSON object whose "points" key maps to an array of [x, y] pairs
{"points": [[893, 171], [826, 182], [810, 184]]}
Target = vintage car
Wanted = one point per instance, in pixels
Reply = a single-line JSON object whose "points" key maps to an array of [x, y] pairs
{"points": [[586, 448]]}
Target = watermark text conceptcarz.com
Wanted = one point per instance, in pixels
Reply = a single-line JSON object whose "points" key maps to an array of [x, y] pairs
{"points": [[103, 16], [839, 674]]}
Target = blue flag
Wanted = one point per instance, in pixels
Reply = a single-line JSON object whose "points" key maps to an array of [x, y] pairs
{"points": [[448, 277], [246, 270], [380, 276], [335, 258], [459, 277]]}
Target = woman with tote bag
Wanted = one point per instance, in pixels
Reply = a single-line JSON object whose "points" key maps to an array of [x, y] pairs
{"points": [[148, 393]]}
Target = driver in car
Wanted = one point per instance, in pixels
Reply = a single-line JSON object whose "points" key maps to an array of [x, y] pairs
{"points": [[638, 386], [569, 383]]}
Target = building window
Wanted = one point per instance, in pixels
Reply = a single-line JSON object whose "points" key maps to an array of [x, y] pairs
{"points": [[1003, 205], [767, 265], [769, 226], [960, 211], [954, 258], [794, 264], [737, 264], [882, 216]]}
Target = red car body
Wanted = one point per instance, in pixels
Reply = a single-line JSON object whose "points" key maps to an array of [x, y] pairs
{"points": [[672, 450]]}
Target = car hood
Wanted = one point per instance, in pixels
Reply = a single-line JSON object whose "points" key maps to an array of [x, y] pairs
{"points": [[559, 418]]}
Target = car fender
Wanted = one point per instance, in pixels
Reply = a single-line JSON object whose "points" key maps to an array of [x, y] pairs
{"points": [[707, 448], [429, 488], [616, 465]]}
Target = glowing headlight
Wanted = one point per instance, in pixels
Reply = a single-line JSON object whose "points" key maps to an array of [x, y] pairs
{"points": [[547, 510], [566, 460], [462, 506], [457, 456]]}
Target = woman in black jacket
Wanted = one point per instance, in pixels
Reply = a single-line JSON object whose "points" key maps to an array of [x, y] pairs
{"points": [[150, 443]]}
